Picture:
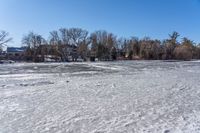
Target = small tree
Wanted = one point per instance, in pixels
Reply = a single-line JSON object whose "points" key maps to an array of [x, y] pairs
{"points": [[4, 39]]}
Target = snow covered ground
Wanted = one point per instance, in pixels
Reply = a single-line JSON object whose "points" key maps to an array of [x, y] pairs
{"points": [[104, 97]]}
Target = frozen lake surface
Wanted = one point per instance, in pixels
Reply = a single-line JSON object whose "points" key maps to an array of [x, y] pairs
{"points": [[104, 97]]}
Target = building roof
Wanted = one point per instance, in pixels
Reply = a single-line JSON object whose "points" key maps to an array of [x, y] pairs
{"points": [[15, 49]]}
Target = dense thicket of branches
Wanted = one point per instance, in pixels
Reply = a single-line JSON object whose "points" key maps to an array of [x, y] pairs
{"points": [[76, 42]]}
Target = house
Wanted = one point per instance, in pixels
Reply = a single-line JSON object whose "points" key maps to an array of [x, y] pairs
{"points": [[15, 53]]}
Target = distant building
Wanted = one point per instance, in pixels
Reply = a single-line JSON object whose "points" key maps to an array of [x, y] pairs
{"points": [[15, 53], [15, 50]]}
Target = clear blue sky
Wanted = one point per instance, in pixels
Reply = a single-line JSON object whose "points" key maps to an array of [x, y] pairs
{"points": [[153, 18]]}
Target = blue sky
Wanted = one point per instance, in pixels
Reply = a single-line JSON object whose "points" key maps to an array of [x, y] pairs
{"points": [[153, 18]]}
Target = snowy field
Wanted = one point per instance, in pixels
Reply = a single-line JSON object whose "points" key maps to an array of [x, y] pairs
{"points": [[104, 97]]}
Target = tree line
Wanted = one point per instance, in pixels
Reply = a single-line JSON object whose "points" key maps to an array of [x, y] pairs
{"points": [[102, 45]]}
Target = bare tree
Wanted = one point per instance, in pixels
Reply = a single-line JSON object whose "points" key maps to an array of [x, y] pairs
{"points": [[64, 36], [78, 38], [33, 42], [83, 50], [74, 40], [132, 47], [56, 44], [4, 38], [64, 40], [54, 38], [134, 42], [170, 45], [104, 44]]}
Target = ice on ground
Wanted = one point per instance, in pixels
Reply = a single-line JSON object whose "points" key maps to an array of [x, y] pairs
{"points": [[110, 97]]}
